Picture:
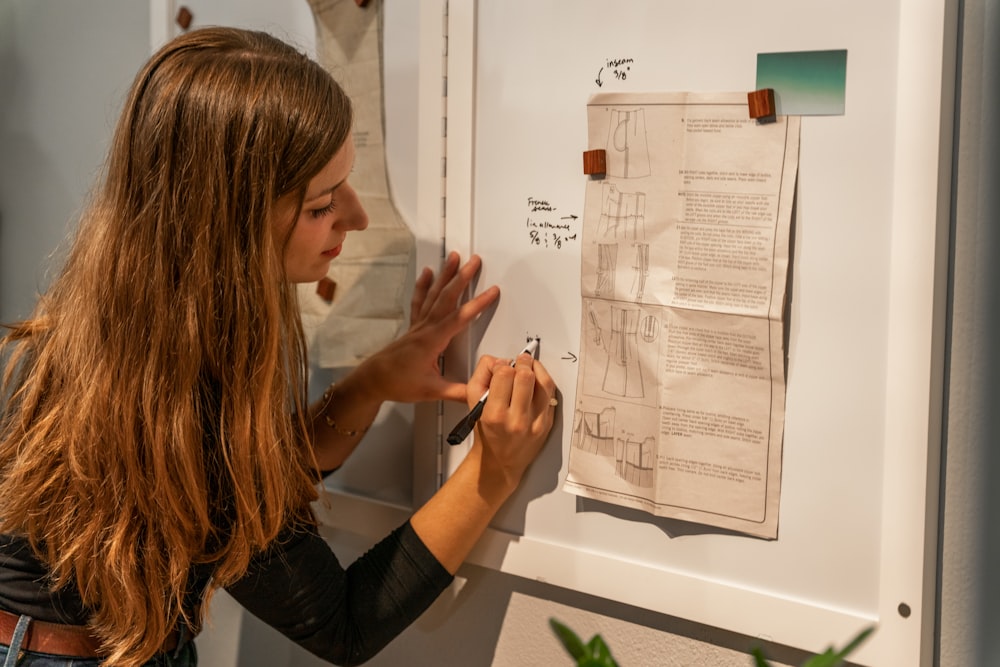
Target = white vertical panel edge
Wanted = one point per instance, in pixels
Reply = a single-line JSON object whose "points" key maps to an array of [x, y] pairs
{"points": [[427, 453], [460, 151], [914, 373], [430, 153], [461, 127], [161, 22]]}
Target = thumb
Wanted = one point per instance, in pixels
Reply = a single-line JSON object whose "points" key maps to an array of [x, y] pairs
{"points": [[453, 391]]}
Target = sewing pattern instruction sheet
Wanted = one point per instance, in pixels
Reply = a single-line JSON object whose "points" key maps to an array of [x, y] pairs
{"points": [[681, 385]]}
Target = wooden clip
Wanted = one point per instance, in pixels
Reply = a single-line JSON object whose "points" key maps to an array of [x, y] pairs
{"points": [[184, 17], [761, 103], [595, 162], [326, 288]]}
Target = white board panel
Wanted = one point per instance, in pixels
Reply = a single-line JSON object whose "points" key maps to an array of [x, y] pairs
{"points": [[858, 505]]}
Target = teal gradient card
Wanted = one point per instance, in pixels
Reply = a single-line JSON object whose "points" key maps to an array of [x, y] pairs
{"points": [[805, 83]]}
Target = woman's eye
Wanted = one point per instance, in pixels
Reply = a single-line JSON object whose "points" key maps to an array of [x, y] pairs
{"points": [[326, 210]]}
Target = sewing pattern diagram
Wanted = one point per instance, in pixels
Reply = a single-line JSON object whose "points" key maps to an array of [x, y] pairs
{"points": [[679, 406], [623, 214], [605, 275], [649, 329], [634, 460], [623, 373], [621, 342], [628, 150], [595, 431], [607, 265], [631, 458], [640, 271]]}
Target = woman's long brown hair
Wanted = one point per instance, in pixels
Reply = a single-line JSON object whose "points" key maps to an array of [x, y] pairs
{"points": [[155, 399]]}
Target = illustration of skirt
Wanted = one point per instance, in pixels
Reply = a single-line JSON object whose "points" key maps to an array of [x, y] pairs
{"points": [[623, 375], [628, 153], [595, 431], [634, 461]]}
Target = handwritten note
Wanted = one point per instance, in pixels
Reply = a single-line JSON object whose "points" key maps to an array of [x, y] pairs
{"points": [[616, 69], [547, 228]]}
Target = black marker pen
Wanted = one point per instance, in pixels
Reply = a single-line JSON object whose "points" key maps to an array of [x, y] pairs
{"points": [[464, 428]]}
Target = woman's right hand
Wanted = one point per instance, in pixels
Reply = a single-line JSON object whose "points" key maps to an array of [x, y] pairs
{"points": [[514, 425], [517, 416]]}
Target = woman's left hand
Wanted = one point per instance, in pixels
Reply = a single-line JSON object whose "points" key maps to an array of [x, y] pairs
{"points": [[407, 370]]}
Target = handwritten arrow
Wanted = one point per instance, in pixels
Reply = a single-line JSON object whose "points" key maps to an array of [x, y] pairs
{"points": [[571, 357], [598, 79], [568, 217]]}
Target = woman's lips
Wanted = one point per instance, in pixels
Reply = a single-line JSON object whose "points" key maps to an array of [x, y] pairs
{"points": [[333, 252]]}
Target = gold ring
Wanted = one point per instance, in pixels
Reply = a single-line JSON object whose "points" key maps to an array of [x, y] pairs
{"points": [[553, 401]]}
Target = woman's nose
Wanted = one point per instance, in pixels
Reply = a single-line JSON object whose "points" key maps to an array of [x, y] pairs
{"points": [[355, 217]]}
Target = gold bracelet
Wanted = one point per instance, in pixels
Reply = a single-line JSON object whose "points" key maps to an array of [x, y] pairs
{"points": [[347, 432]]}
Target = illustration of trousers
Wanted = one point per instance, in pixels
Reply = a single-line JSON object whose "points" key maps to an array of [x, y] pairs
{"points": [[623, 214], [607, 262]]}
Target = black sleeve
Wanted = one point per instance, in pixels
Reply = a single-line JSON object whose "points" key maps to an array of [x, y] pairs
{"points": [[343, 616]]}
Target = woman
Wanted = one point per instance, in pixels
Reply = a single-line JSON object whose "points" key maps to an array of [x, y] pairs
{"points": [[156, 443]]}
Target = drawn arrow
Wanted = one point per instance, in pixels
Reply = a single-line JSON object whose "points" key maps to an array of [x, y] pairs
{"points": [[598, 79], [568, 217], [571, 357]]}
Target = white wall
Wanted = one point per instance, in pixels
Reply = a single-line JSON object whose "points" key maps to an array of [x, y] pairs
{"points": [[64, 69]]}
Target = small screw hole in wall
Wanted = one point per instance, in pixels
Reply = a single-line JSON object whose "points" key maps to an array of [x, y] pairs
{"points": [[904, 610]]}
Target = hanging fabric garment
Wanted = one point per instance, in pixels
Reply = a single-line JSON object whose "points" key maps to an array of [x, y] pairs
{"points": [[374, 272]]}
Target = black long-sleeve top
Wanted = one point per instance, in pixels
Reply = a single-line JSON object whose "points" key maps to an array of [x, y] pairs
{"points": [[297, 586]]}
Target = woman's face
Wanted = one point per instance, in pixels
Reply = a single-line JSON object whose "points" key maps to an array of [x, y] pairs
{"points": [[331, 208]]}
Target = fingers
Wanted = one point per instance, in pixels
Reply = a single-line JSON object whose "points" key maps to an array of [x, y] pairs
{"points": [[501, 389], [516, 420], [479, 382], [454, 391], [546, 398], [520, 395], [447, 290], [453, 286], [523, 388], [475, 306], [420, 291], [448, 271]]}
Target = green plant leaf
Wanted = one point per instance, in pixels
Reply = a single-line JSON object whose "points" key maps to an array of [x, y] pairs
{"points": [[597, 648], [825, 659], [569, 640], [600, 655], [832, 658], [759, 659], [856, 642]]}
